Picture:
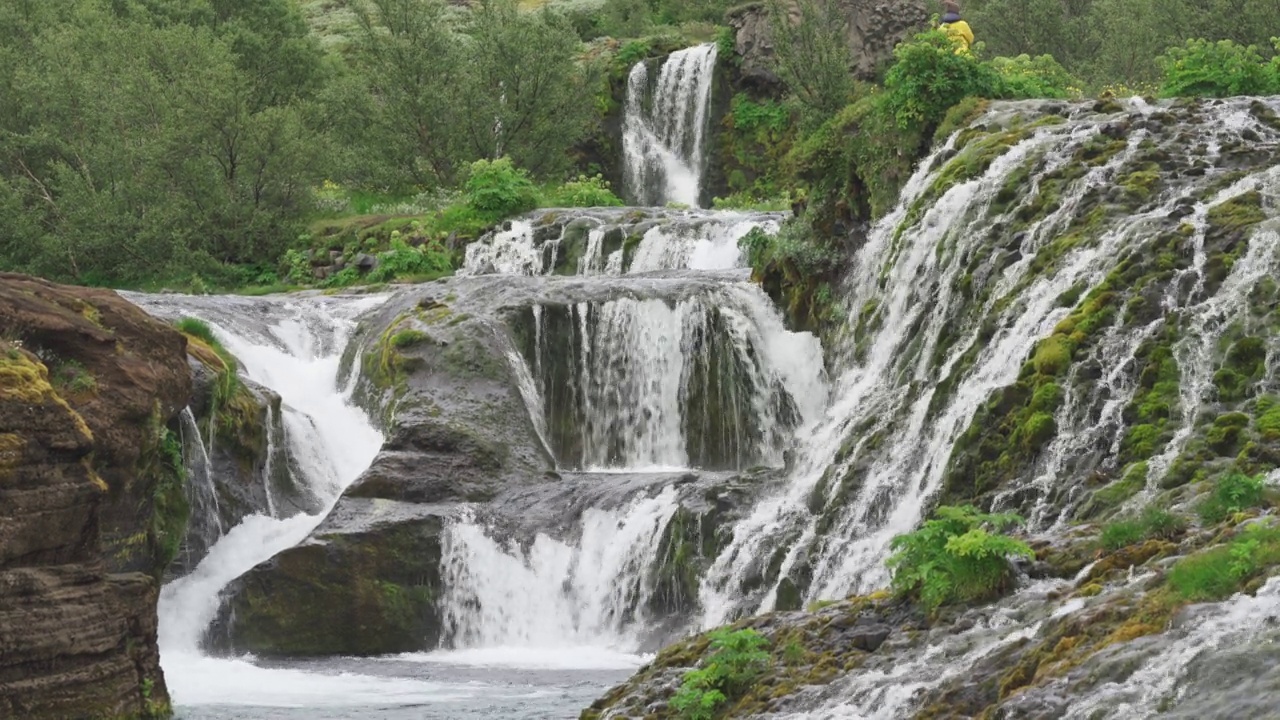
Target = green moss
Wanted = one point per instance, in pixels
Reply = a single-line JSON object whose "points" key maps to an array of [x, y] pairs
{"points": [[1268, 420], [1052, 356], [408, 338], [1238, 213], [1047, 397], [1244, 365], [1227, 433], [1038, 430]]}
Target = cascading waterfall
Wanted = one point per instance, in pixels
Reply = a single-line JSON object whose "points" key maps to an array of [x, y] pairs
{"points": [[498, 595], [665, 126], [707, 379], [205, 524], [616, 242], [702, 382], [951, 316], [292, 346]]}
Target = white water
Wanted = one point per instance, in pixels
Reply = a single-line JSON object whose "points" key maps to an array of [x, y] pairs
{"points": [[908, 275], [694, 240], [296, 353], [664, 128], [552, 599]]}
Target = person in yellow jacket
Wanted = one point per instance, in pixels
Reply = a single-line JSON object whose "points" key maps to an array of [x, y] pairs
{"points": [[956, 28]]}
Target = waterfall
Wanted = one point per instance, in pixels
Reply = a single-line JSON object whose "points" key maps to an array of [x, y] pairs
{"points": [[292, 346], [950, 303], [616, 241], [664, 128], [653, 384], [553, 594], [664, 378], [205, 526]]}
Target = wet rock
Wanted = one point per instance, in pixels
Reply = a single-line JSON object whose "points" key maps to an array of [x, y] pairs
{"points": [[363, 583]]}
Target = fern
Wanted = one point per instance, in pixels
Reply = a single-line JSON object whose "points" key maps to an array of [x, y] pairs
{"points": [[955, 556]]}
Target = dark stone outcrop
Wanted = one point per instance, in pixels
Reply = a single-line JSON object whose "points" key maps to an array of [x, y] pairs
{"points": [[88, 384], [435, 372], [873, 28]]}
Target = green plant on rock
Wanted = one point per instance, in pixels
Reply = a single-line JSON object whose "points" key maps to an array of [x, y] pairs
{"points": [[1216, 573], [929, 77], [1154, 522], [585, 191], [1232, 493], [960, 555], [498, 189], [737, 658], [430, 261]]}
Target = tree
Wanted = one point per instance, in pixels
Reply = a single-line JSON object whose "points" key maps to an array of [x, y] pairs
{"points": [[812, 56], [524, 89], [411, 62]]}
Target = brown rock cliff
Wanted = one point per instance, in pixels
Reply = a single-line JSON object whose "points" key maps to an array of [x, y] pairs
{"points": [[88, 384]]}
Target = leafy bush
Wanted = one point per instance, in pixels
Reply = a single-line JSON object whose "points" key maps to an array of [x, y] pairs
{"points": [[1033, 77], [1122, 533], [794, 245], [1216, 69], [958, 556], [405, 261], [297, 267], [746, 201], [586, 191], [1231, 494], [929, 77], [498, 189], [737, 659]]}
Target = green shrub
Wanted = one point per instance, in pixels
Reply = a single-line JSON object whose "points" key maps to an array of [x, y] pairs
{"points": [[737, 658], [1231, 494], [498, 189], [72, 377], [1216, 69], [586, 191], [429, 261], [955, 558], [345, 277], [1033, 77], [1122, 533], [929, 77], [1154, 522]]}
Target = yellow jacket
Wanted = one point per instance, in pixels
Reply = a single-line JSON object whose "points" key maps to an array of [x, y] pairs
{"points": [[960, 33]]}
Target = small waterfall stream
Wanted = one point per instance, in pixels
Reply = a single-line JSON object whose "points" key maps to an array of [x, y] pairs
{"points": [[619, 388], [665, 126]]}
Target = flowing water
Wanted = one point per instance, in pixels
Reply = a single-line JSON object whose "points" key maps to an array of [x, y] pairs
{"points": [[665, 126], [293, 346], [945, 306]]}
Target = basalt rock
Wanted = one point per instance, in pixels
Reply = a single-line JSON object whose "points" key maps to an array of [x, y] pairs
{"points": [[88, 386], [873, 28]]}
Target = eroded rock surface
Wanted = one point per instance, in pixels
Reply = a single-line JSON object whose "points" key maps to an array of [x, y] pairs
{"points": [[88, 385]]}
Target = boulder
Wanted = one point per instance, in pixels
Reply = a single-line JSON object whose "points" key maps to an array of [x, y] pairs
{"points": [[363, 583]]}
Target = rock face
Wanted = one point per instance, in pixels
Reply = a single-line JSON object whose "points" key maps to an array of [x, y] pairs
{"points": [[237, 461], [88, 384], [440, 370], [873, 27]]}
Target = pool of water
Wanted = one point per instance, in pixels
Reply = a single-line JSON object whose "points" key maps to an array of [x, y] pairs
{"points": [[508, 683]]}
